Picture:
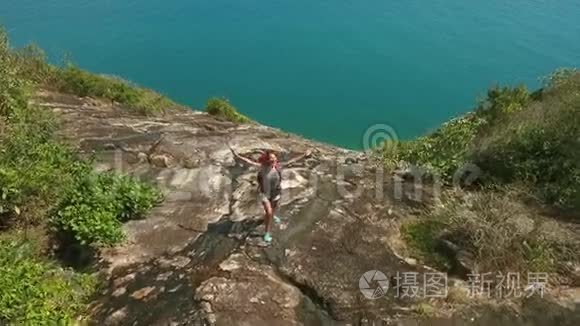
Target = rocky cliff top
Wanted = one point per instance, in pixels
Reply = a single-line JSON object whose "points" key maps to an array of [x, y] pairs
{"points": [[198, 257]]}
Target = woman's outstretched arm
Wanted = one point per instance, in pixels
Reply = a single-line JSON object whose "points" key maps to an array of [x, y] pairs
{"points": [[297, 158], [244, 159]]}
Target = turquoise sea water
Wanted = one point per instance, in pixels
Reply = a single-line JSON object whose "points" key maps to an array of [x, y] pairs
{"points": [[326, 69]]}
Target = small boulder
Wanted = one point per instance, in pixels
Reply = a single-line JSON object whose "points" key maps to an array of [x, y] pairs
{"points": [[162, 160]]}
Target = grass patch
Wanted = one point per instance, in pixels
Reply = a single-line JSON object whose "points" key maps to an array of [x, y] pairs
{"points": [[501, 233], [30, 65], [222, 108], [422, 237], [73, 80]]}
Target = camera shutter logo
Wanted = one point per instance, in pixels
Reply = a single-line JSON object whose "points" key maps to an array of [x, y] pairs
{"points": [[373, 284]]}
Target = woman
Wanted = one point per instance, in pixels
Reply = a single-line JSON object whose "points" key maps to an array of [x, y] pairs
{"points": [[270, 184]]}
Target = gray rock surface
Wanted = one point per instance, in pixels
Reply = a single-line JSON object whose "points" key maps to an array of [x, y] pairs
{"points": [[198, 258]]}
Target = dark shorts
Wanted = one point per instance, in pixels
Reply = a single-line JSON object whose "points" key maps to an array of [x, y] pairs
{"points": [[272, 197]]}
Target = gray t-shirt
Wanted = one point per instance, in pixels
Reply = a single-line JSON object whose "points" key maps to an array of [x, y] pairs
{"points": [[269, 181]]}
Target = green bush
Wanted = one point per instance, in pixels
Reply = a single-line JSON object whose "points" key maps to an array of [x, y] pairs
{"points": [[34, 168], [513, 138], [89, 215], [442, 152], [539, 145], [133, 198], [95, 208], [450, 147], [222, 108], [32, 164], [12, 88], [503, 100], [544, 158], [37, 292], [36, 173]]}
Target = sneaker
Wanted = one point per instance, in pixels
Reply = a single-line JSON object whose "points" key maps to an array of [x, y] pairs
{"points": [[267, 237], [277, 220]]}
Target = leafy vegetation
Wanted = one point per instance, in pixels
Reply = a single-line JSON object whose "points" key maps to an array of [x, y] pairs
{"points": [[222, 108], [450, 147], [513, 137], [45, 185], [519, 141], [502, 101], [538, 145], [97, 205], [34, 169], [442, 152], [34, 291]]}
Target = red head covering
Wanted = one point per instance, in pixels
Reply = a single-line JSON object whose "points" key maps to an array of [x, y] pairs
{"points": [[265, 159]]}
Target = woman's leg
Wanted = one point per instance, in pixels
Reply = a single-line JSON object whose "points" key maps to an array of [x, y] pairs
{"points": [[274, 204], [268, 214]]}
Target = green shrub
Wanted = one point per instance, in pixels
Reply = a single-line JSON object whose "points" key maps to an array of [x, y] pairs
{"points": [[37, 292], [39, 174], [95, 208], [89, 215], [34, 168], [501, 101], [442, 152], [447, 149], [222, 108], [36, 173], [133, 198], [512, 138], [544, 158], [12, 88], [539, 145]]}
